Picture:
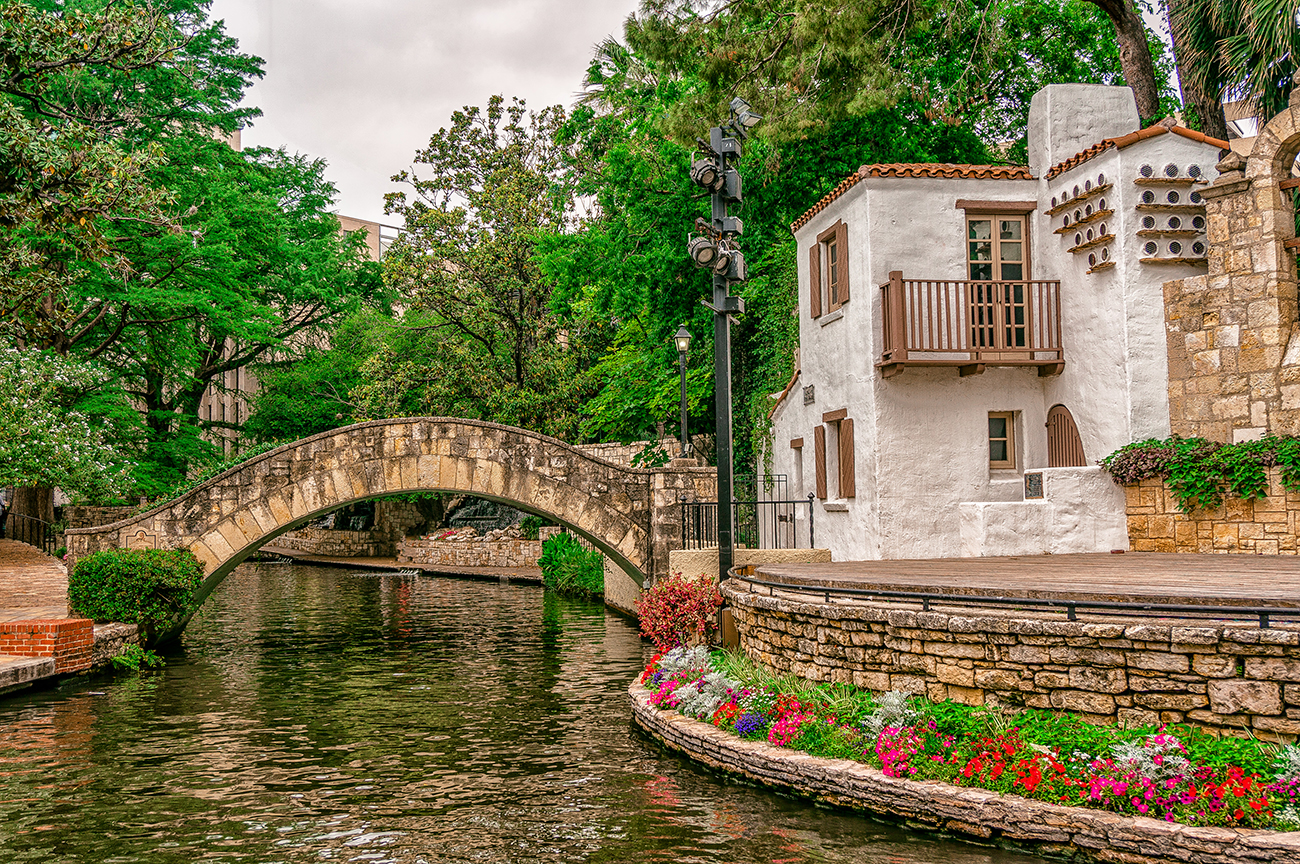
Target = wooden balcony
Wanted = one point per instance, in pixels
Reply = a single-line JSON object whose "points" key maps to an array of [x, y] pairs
{"points": [[971, 325]]}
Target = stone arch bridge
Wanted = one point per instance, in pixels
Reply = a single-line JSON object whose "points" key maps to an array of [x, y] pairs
{"points": [[630, 514]]}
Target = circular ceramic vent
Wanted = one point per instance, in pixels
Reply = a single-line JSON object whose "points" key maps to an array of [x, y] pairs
{"points": [[1173, 197], [1196, 197], [1146, 171], [1148, 197], [1053, 201], [1175, 248], [1078, 214], [1087, 185], [1101, 179], [1198, 248], [1078, 239], [1087, 211], [1065, 221], [1105, 253], [1175, 223], [1150, 248], [1148, 222], [1102, 230], [1198, 222], [1193, 170], [1171, 170], [1092, 260], [1075, 191], [1101, 205]]}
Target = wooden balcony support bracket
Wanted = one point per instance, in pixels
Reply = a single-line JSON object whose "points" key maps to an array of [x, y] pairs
{"points": [[1052, 369], [970, 369]]}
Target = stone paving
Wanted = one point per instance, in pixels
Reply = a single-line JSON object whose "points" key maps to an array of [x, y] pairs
{"points": [[32, 584]]}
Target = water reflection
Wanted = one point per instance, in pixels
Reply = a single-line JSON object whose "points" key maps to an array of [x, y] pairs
{"points": [[317, 714]]}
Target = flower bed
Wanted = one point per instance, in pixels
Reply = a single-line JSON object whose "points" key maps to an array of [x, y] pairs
{"points": [[1179, 775]]}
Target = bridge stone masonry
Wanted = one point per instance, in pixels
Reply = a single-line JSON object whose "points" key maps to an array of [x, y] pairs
{"points": [[629, 514]]}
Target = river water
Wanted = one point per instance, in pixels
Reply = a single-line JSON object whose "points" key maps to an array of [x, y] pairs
{"points": [[316, 714]]}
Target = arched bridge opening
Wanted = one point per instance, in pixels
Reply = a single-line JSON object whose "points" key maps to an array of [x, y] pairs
{"points": [[629, 514]]}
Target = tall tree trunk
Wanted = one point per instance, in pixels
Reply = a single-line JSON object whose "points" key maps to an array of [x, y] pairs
{"points": [[1206, 105], [30, 503], [1134, 55]]}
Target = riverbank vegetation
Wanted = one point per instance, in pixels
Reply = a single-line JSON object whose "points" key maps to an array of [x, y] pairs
{"points": [[1179, 774], [570, 569], [152, 588], [1201, 473]]}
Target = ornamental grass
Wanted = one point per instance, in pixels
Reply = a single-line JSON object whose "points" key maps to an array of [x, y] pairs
{"points": [[1179, 774]]}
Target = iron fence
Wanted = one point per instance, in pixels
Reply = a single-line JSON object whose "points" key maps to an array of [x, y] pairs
{"points": [[32, 531], [761, 524]]}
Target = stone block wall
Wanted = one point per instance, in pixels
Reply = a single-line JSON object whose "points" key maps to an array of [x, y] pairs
{"points": [[81, 516], [470, 553], [1230, 677], [1266, 526], [336, 544], [68, 640]]}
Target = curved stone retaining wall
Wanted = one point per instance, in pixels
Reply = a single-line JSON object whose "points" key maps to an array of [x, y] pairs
{"points": [[1134, 673], [976, 813], [470, 553]]}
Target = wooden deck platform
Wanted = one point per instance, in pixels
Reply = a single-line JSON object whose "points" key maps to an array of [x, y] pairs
{"points": [[1134, 577]]}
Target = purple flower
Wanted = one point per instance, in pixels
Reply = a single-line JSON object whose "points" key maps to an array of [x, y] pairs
{"points": [[748, 723]]}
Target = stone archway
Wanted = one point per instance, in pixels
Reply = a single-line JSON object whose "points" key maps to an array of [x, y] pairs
{"points": [[627, 513]]}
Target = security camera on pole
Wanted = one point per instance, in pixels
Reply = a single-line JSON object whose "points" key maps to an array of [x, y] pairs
{"points": [[716, 250]]}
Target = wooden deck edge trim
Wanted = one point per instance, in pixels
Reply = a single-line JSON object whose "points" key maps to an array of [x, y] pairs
{"points": [[972, 813]]}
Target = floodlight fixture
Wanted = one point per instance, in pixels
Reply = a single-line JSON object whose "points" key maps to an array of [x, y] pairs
{"points": [[722, 263], [707, 173], [703, 251], [683, 339], [744, 117]]}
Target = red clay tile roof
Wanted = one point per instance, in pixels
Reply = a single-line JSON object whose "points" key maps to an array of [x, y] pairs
{"points": [[1125, 140], [915, 169]]}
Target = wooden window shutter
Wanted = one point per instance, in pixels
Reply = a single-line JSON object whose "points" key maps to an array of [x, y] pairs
{"points": [[842, 241], [1064, 446], [847, 467], [815, 279], [819, 459]]}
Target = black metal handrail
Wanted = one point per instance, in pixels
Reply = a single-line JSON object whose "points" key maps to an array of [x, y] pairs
{"points": [[770, 524], [32, 531], [1071, 607]]}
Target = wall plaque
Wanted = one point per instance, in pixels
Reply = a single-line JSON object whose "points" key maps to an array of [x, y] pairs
{"points": [[809, 395], [1033, 485]]}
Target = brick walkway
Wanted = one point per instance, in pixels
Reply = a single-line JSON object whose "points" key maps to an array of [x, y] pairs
{"points": [[32, 584], [38, 638]]}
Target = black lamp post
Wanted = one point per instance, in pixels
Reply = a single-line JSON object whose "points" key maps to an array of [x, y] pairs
{"points": [[716, 250], [683, 340]]}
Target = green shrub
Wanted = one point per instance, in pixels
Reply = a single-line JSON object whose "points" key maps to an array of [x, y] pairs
{"points": [[153, 588], [569, 569], [135, 658], [530, 525]]}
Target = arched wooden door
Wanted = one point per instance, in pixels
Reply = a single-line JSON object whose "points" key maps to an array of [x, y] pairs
{"points": [[1064, 447]]}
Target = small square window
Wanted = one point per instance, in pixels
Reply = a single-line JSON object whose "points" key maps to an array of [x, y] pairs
{"points": [[1002, 439]]}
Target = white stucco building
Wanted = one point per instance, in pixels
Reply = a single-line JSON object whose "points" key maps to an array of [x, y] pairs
{"points": [[973, 337]]}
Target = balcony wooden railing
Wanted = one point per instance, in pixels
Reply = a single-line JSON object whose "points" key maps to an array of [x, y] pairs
{"points": [[971, 325]]}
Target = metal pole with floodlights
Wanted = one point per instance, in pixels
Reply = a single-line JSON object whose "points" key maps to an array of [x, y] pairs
{"points": [[683, 340], [716, 250]]}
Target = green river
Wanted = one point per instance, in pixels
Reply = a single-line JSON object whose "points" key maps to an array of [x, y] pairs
{"points": [[317, 714]]}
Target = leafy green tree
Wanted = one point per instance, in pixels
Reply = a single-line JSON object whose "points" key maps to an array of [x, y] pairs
{"points": [[1239, 50], [480, 195], [44, 440], [261, 276], [86, 94]]}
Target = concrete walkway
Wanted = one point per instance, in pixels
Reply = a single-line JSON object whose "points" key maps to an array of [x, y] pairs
{"points": [[38, 636], [32, 584]]}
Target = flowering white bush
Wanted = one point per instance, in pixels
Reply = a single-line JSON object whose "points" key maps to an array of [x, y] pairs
{"points": [[42, 442]]}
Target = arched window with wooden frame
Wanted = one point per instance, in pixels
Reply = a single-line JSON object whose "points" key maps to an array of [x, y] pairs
{"points": [[1064, 446]]}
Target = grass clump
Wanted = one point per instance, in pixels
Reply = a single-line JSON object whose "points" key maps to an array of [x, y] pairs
{"points": [[571, 570]]}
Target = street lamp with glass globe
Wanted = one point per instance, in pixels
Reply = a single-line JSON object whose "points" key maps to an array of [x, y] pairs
{"points": [[683, 340]]}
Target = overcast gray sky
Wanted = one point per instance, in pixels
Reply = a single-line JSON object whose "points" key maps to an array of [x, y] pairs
{"points": [[363, 84]]}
